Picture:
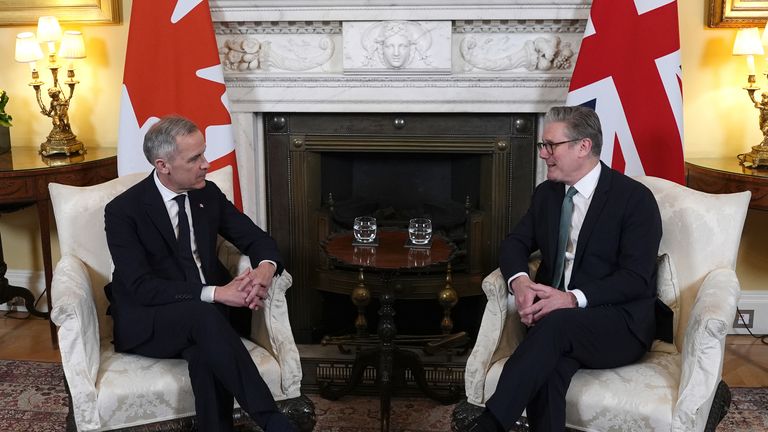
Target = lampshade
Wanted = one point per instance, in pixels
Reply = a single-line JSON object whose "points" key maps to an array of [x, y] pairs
{"points": [[748, 42], [48, 29], [765, 35], [72, 45], [27, 48]]}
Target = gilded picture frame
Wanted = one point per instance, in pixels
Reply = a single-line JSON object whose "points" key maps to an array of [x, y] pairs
{"points": [[26, 12], [738, 13]]}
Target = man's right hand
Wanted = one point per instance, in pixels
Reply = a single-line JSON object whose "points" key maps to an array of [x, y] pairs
{"points": [[234, 293], [522, 287]]}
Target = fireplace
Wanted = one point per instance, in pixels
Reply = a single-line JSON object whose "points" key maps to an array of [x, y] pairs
{"points": [[284, 61], [471, 173]]}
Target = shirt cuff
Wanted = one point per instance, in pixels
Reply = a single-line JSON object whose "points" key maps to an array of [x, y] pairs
{"points": [[206, 294], [514, 276], [581, 299], [269, 261]]}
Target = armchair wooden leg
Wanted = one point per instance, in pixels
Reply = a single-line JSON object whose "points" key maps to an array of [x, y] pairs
{"points": [[301, 411], [463, 414]]}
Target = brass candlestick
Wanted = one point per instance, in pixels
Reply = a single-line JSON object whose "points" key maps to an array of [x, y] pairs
{"points": [[758, 157], [60, 140]]}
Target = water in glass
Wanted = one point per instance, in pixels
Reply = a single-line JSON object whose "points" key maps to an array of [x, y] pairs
{"points": [[420, 230], [364, 229]]}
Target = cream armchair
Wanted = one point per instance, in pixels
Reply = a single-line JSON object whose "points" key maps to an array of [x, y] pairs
{"points": [[675, 387], [114, 390]]}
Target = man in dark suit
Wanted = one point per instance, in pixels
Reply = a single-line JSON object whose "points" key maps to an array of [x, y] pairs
{"points": [[170, 296], [592, 304]]}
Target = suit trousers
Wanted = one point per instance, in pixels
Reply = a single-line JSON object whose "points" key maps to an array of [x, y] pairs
{"points": [[537, 375], [220, 366]]}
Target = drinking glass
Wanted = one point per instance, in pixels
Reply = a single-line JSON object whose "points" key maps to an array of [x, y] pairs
{"points": [[420, 231], [364, 229]]}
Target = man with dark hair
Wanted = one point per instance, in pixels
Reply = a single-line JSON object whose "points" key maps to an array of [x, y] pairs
{"points": [[592, 303], [170, 296]]}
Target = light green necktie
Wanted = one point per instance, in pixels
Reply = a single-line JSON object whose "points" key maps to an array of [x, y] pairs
{"points": [[566, 214]]}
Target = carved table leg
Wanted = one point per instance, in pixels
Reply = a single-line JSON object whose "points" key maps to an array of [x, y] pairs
{"points": [[387, 332], [447, 297], [363, 359], [361, 296]]}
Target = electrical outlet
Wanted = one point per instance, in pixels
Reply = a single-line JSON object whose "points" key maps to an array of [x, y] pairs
{"points": [[747, 319]]}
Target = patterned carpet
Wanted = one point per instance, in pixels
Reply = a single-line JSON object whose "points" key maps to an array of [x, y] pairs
{"points": [[33, 398]]}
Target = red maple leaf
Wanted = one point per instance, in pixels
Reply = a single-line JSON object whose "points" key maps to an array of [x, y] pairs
{"points": [[162, 60]]}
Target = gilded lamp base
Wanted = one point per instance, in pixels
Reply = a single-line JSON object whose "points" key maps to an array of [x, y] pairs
{"points": [[757, 158], [61, 143]]}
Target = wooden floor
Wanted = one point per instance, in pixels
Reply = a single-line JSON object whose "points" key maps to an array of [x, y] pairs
{"points": [[746, 358]]}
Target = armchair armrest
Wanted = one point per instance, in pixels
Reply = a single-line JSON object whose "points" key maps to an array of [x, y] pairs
{"points": [[74, 312], [704, 347], [270, 326], [271, 329], [500, 333]]}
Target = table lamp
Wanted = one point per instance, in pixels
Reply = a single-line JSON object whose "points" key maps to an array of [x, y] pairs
{"points": [[61, 140], [749, 43]]}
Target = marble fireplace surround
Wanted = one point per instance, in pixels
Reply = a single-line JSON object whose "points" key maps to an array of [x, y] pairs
{"points": [[480, 56]]}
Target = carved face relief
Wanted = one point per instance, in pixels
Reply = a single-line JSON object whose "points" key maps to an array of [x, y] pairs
{"points": [[397, 50]]}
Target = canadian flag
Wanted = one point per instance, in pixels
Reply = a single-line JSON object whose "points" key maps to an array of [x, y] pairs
{"points": [[628, 70], [172, 66]]}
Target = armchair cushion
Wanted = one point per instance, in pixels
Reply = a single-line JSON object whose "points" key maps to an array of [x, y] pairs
{"points": [[668, 291]]}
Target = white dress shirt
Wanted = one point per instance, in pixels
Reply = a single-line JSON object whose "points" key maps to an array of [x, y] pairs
{"points": [[586, 190], [172, 207]]}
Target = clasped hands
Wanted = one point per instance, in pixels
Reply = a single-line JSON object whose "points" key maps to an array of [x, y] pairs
{"points": [[534, 300], [249, 289]]}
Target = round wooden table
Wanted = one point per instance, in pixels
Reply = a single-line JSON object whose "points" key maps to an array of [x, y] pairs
{"points": [[388, 259]]}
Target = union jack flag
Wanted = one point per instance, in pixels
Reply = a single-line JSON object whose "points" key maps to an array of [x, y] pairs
{"points": [[172, 66], [628, 70]]}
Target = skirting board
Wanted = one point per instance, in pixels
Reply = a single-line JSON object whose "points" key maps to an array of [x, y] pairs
{"points": [[757, 302], [32, 280]]}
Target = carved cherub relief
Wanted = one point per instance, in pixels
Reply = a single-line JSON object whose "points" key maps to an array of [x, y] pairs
{"points": [[542, 53], [293, 54]]}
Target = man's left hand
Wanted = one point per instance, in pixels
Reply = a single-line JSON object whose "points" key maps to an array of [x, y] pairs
{"points": [[549, 299]]}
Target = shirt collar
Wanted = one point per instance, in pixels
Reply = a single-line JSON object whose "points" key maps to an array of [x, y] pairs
{"points": [[587, 184], [166, 193]]}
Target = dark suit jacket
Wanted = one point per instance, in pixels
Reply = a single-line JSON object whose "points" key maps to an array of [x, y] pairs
{"points": [[143, 245], [615, 261]]}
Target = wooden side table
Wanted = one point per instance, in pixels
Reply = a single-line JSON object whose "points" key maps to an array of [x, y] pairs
{"points": [[388, 260], [726, 175], [24, 178]]}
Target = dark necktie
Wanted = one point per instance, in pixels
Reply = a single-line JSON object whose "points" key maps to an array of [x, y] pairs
{"points": [[566, 214], [185, 248]]}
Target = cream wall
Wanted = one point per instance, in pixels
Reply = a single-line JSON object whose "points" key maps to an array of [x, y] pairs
{"points": [[719, 117], [719, 120]]}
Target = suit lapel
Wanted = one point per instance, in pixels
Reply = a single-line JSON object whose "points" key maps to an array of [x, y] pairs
{"points": [[157, 212], [593, 213]]}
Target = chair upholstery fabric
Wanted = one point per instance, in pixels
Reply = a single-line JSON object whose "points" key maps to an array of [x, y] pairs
{"points": [[672, 387], [115, 390]]}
